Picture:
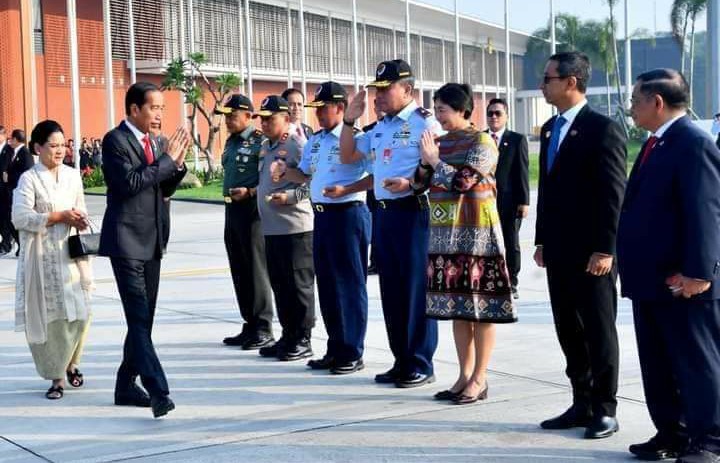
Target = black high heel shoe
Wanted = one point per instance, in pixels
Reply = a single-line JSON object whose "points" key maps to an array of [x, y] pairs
{"points": [[463, 399]]}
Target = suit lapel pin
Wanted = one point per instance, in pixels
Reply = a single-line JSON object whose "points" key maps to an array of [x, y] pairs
{"points": [[661, 143], [547, 134], [505, 144], [573, 133]]}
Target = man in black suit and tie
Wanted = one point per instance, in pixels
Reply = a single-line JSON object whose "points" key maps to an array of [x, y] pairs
{"points": [[19, 160], [5, 203], [138, 178], [513, 183], [582, 180], [669, 258]]}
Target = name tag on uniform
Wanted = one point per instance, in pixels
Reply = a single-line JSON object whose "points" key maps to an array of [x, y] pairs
{"points": [[387, 156]]}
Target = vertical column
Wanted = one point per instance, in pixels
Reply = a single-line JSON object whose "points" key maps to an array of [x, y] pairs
{"points": [[366, 116], [628, 58], [109, 91], [331, 48], [444, 61], [290, 45], [248, 51], [484, 80], [553, 38], [303, 65], [183, 55], [131, 38], [356, 64], [27, 39], [74, 79], [508, 58], [458, 63], [421, 74], [497, 74], [713, 27], [191, 18], [407, 30]]}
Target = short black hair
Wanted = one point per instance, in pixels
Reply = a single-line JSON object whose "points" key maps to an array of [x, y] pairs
{"points": [[498, 101], [137, 94], [457, 96], [19, 135], [290, 91], [669, 84], [42, 132], [575, 64]]}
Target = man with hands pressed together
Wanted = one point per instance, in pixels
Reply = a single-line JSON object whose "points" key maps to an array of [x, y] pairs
{"points": [[138, 178], [669, 258], [581, 185], [341, 233], [286, 220], [402, 225], [244, 241]]}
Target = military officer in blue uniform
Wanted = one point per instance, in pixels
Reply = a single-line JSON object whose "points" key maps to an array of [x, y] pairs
{"points": [[402, 220], [244, 241], [342, 232]]}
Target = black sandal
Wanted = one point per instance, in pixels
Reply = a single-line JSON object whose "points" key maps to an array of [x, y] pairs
{"points": [[55, 392], [75, 378]]}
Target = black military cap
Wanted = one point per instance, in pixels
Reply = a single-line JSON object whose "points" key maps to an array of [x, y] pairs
{"points": [[328, 92], [272, 105], [388, 72], [236, 101]]}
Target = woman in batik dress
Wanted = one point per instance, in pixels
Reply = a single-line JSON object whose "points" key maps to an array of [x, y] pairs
{"points": [[467, 278]]}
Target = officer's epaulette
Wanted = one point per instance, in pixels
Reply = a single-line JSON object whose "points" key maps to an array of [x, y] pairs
{"points": [[423, 112]]}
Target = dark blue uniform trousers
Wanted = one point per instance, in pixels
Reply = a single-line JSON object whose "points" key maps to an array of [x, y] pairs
{"points": [[679, 349], [402, 235], [340, 251]]}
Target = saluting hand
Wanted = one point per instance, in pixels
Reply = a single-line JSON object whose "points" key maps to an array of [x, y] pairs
{"points": [[356, 108], [429, 149], [178, 144]]}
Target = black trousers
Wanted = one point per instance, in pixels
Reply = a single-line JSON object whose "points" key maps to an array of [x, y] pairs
{"points": [[245, 247], [7, 231], [510, 223], [679, 348], [137, 282], [584, 309], [292, 277]]}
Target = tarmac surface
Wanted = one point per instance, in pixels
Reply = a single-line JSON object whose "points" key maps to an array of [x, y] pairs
{"points": [[234, 406]]}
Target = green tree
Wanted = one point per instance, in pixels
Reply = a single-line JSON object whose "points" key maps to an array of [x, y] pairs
{"points": [[613, 34], [195, 86]]}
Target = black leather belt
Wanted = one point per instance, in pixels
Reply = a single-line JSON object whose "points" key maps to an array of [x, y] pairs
{"points": [[325, 207], [413, 202]]}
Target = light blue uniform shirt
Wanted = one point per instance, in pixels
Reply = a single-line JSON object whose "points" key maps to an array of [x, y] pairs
{"points": [[393, 146], [321, 161]]}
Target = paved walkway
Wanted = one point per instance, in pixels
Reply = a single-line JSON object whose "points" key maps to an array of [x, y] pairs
{"points": [[235, 406]]}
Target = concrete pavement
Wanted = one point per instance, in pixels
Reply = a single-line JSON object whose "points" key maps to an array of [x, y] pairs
{"points": [[234, 406]]}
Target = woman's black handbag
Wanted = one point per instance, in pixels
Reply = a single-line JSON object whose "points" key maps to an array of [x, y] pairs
{"points": [[86, 244]]}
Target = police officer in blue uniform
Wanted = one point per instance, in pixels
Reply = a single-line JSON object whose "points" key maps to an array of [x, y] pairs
{"points": [[402, 220], [342, 233], [244, 241]]}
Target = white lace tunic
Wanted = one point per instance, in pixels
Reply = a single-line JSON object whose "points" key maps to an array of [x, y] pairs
{"points": [[49, 285]]}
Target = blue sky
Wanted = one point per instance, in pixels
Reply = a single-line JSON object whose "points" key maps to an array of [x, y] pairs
{"points": [[528, 15]]}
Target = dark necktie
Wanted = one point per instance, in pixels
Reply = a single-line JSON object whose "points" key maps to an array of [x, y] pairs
{"points": [[652, 141]]}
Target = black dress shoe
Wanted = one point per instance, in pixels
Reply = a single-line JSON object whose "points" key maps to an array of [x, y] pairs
{"points": [[324, 363], [462, 399], [414, 380], [515, 294], [602, 426], [274, 350], [572, 418], [297, 351], [389, 377], [698, 454], [161, 405], [347, 367], [657, 449], [258, 341], [237, 340], [132, 397]]}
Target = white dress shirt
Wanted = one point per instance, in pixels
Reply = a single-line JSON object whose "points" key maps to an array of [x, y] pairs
{"points": [[570, 116]]}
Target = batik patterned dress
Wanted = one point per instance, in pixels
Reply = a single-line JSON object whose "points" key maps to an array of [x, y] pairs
{"points": [[467, 277]]}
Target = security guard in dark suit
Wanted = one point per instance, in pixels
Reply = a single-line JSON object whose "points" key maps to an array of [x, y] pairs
{"points": [[244, 240]]}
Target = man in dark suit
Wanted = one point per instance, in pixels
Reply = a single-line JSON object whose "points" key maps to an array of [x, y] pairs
{"points": [[138, 178], [582, 180], [19, 160], [669, 258], [513, 183], [5, 222]]}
